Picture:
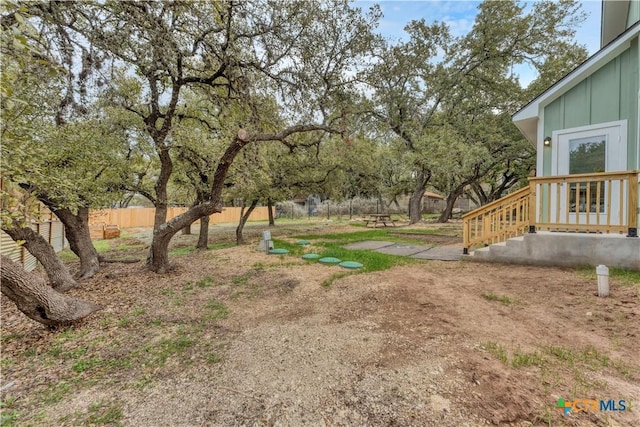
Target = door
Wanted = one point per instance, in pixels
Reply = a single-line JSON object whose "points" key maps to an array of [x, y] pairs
{"points": [[587, 150]]}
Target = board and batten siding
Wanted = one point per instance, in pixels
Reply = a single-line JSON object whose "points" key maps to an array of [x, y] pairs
{"points": [[609, 94]]}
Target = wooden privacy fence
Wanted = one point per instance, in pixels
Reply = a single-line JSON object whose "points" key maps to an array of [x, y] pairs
{"points": [[143, 217], [592, 203]]}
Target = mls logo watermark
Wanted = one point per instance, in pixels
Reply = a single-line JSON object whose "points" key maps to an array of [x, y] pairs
{"points": [[590, 405]]}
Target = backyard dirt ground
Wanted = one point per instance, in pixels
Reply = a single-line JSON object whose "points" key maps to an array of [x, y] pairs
{"points": [[236, 337]]}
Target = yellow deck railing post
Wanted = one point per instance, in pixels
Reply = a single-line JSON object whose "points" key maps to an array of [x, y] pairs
{"points": [[531, 220], [632, 205], [494, 221]]}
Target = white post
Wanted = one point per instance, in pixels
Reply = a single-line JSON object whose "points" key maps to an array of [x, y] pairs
{"points": [[603, 280], [266, 237]]}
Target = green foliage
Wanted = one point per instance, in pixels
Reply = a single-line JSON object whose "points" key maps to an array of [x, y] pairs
{"points": [[182, 251], [56, 393], [621, 276], [294, 250], [558, 357], [371, 260], [220, 246], [216, 310], [205, 282], [384, 234], [335, 276], [504, 299], [496, 350], [240, 280], [8, 414], [521, 359], [104, 413], [170, 346], [213, 358], [447, 100]]}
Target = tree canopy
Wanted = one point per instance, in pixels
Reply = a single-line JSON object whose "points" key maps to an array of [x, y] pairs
{"points": [[175, 100]]}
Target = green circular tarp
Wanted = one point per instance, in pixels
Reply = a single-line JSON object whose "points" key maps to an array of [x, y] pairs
{"points": [[329, 260], [310, 256], [302, 242], [278, 251], [350, 264]]}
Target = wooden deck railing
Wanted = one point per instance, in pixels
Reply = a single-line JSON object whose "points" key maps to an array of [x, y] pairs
{"points": [[593, 203], [498, 220], [596, 203]]}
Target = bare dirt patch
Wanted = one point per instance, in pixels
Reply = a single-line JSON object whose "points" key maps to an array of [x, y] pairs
{"points": [[237, 337]]}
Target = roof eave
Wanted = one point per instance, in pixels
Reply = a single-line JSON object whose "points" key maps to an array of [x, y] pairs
{"points": [[523, 118]]}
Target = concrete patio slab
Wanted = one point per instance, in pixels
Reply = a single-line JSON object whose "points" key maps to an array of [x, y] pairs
{"points": [[443, 253], [368, 244], [402, 249]]}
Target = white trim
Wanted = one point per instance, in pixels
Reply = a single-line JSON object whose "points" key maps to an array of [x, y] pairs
{"points": [[584, 70], [615, 15], [539, 144], [622, 144], [615, 160]]}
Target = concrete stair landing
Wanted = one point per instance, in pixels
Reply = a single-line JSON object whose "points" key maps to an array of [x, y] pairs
{"points": [[565, 250]]}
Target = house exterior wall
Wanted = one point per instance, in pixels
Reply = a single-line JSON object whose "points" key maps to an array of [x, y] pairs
{"points": [[609, 94]]}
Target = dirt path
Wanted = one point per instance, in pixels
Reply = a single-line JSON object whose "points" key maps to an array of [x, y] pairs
{"points": [[429, 344]]}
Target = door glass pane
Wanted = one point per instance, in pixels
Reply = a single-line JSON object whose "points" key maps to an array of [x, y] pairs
{"points": [[587, 155]]}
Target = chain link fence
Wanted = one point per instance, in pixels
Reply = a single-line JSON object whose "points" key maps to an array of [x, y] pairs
{"points": [[328, 209]]}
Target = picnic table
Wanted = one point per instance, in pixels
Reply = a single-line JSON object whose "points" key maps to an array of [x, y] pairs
{"points": [[376, 219]]}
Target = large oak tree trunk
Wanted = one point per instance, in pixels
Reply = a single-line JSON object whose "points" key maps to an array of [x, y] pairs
{"points": [[244, 216], [415, 201], [203, 236], [158, 258], [270, 208], [451, 200], [58, 273], [39, 301], [76, 229]]}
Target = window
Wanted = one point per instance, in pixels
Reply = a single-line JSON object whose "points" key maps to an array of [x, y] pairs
{"points": [[587, 155]]}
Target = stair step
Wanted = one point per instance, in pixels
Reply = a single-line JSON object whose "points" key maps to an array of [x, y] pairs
{"points": [[481, 252], [514, 241]]}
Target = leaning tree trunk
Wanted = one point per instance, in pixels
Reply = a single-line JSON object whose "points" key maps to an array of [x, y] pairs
{"points": [[451, 200], [270, 209], [76, 229], [158, 258], [244, 216], [203, 236], [415, 201], [37, 300], [58, 273], [187, 230]]}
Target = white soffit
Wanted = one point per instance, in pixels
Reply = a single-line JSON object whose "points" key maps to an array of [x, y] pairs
{"points": [[523, 118]]}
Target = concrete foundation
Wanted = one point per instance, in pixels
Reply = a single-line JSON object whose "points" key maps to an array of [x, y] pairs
{"points": [[565, 250]]}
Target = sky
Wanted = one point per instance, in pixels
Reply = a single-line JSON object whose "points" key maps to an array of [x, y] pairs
{"points": [[460, 14]]}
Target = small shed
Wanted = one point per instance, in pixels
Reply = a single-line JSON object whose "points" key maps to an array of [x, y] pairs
{"points": [[433, 202]]}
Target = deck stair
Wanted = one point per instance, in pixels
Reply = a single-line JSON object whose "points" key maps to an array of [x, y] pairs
{"points": [[583, 219]]}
